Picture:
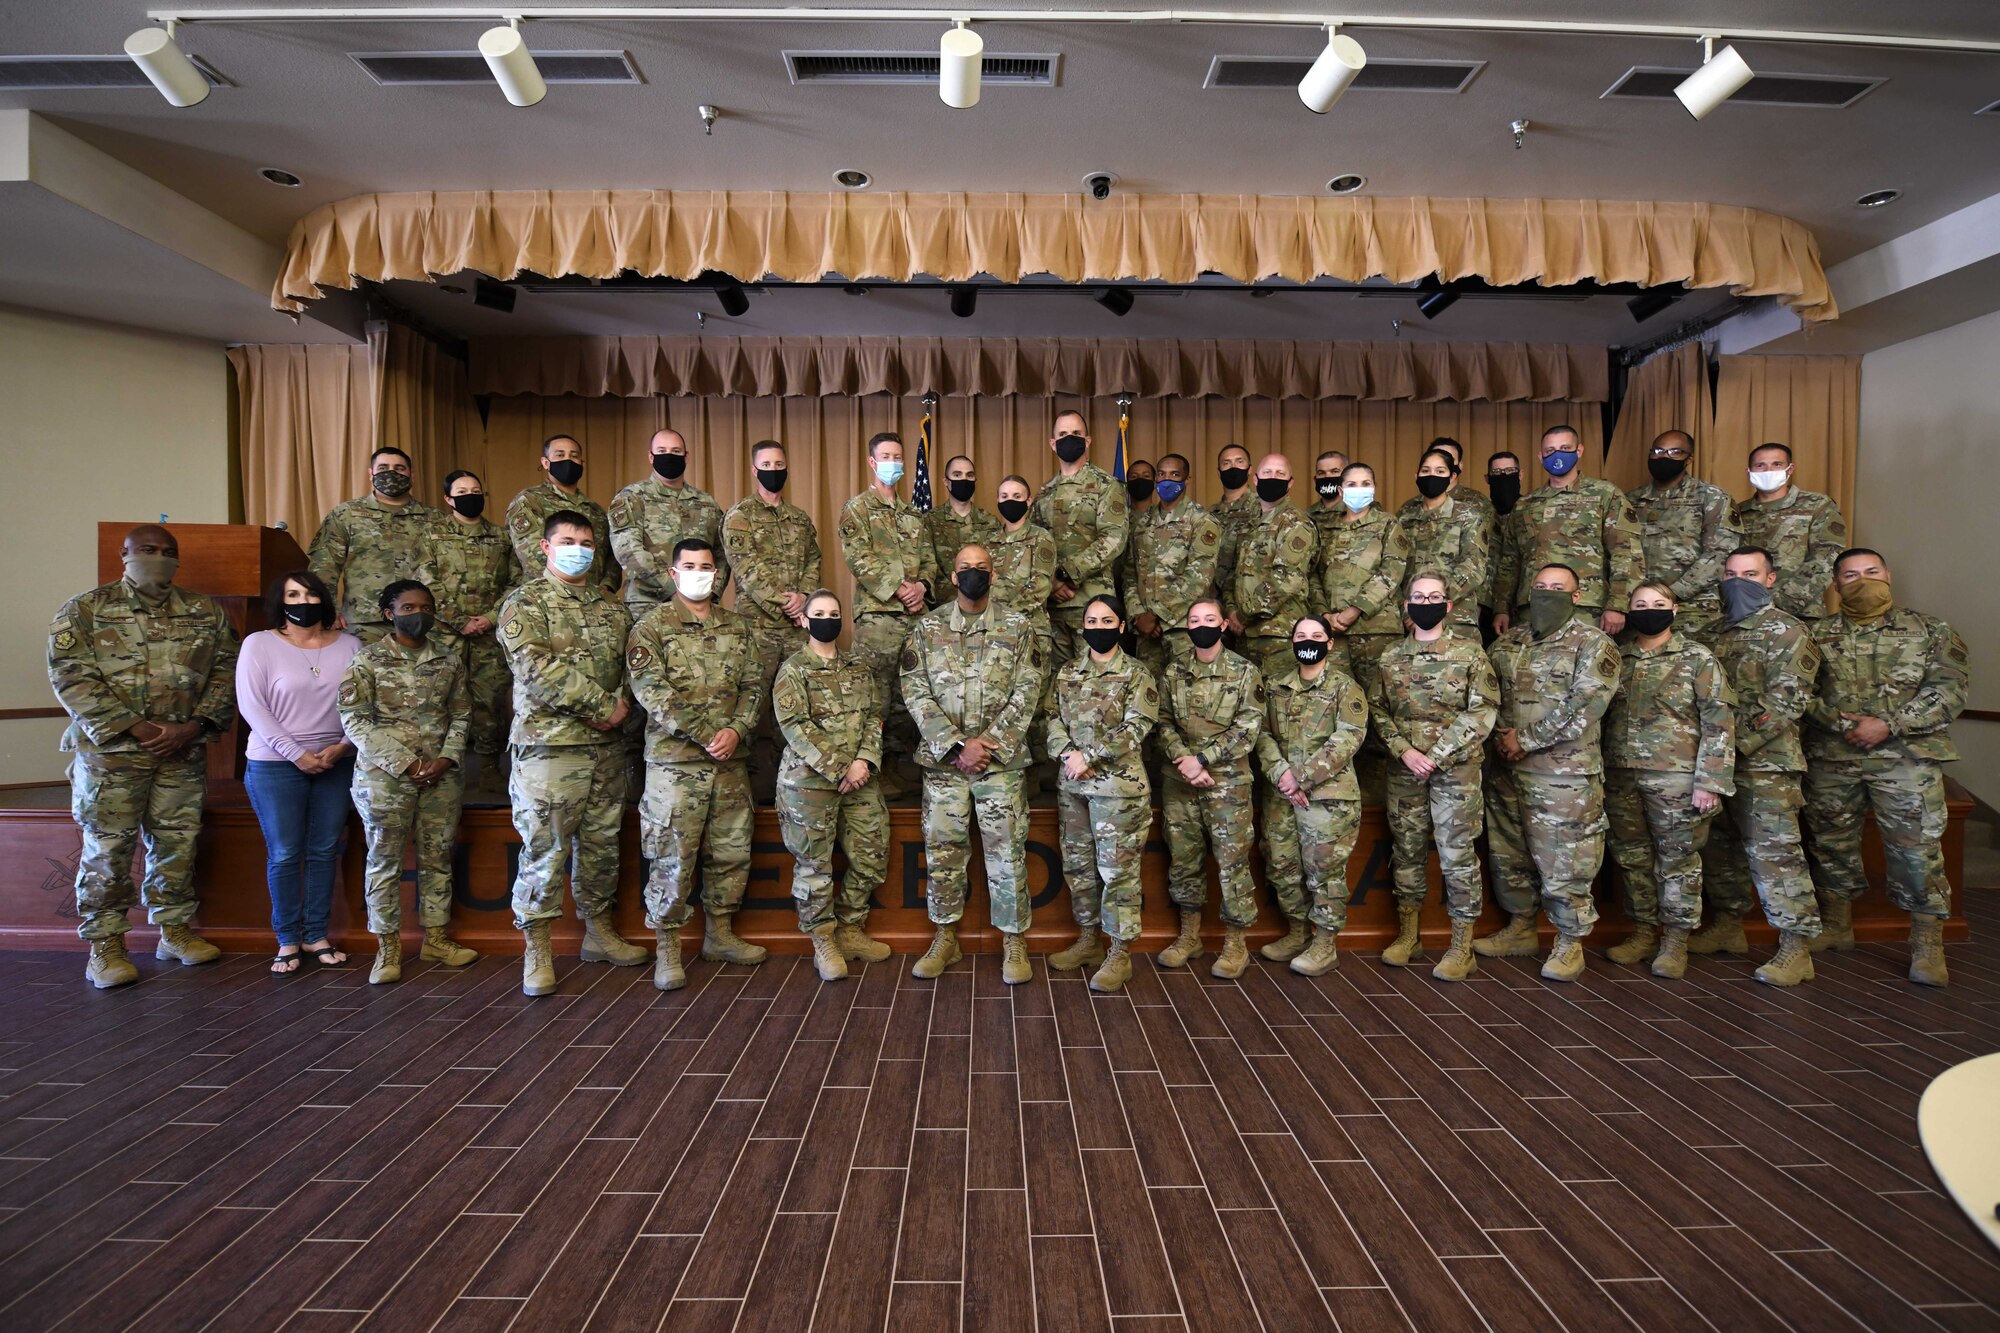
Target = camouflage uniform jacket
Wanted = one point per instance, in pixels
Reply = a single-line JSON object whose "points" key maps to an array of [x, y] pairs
{"points": [[566, 648], [1086, 514], [116, 659], [1439, 698], [1685, 533], [1362, 563], [971, 676], [364, 545], [476, 569], [647, 518], [1105, 711], [1588, 526], [1312, 728], [950, 534], [829, 714], [1449, 541], [531, 510], [1024, 570], [1213, 711], [1772, 665], [1173, 560], [1804, 532], [885, 544], [1237, 517], [399, 706], [1673, 713], [1274, 568], [773, 550], [1553, 693], [1907, 668], [1464, 497], [695, 675]]}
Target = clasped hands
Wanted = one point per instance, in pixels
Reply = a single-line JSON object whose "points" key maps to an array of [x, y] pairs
{"points": [[426, 772], [165, 740]]}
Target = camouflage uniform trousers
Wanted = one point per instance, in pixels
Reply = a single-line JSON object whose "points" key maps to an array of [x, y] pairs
{"points": [[569, 801], [1907, 796], [1449, 809], [776, 640], [1224, 817], [1305, 857], [1755, 842], [1103, 843], [491, 684], [1066, 634], [1656, 839], [693, 812], [814, 815], [878, 641], [392, 808], [999, 801], [118, 800], [1545, 838], [1372, 761]]}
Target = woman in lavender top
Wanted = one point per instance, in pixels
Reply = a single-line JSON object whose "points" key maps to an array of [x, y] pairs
{"points": [[300, 765]]}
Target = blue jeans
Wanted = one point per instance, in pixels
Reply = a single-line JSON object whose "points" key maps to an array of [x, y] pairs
{"points": [[303, 816]]}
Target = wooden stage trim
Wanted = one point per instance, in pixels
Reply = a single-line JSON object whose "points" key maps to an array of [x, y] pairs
{"points": [[39, 849]]}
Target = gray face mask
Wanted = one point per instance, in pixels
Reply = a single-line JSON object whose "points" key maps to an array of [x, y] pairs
{"points": [[151, 574], [1743, 598]]}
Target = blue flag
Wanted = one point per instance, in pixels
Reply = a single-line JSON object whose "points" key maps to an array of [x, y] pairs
{"points": [[920, 489]]}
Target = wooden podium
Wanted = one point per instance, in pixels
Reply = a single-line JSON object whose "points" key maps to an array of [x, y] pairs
{"points": [[233, 563]]}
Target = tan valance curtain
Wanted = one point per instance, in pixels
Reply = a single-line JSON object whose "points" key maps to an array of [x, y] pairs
{"points": [[1812, 403], [1173, 238], [1082, 367], [1669, 392]]}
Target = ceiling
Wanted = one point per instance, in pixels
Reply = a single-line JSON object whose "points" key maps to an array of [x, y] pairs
{"points": [[1129, 101]]}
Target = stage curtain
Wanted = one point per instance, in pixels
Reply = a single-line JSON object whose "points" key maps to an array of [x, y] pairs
{"points": [[1084, 367], [1669, 392], [955, 237], [1812, 403]]}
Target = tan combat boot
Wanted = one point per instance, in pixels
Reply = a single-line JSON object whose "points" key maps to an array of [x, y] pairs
{"points": [[1722, 934], [1927, 950], [1235, 955], [944, 951], [827, 957], [108, 965], [1014, 965], [178, 942], [854, 942], [1792, 963], [388, 959], [1408, 945], [1187, 945], [668, 973], [1836, 924], [1516, 939], [538, 960], [1088, 951], [1116, 969], [440, 947], [1641, 944], [720, 943], [603, 944], [1672, 959], [1565, 960], [1290, 944], [1459, 962], [1320, 957]]}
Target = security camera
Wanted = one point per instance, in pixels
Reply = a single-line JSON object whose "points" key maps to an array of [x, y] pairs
{"points": [[1098, 184]]}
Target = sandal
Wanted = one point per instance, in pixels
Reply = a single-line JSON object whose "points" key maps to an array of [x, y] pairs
{"points": [[325, 955], [284, 964]]}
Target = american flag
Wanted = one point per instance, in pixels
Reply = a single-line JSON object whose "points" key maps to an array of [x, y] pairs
{"points": [[920, 490]]}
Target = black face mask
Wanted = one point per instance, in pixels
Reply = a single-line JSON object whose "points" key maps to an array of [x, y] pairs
{"points": [[1665, 470], [1273, 489], [974, 583], [962, 488], [1309, 651], [1013, 510], [1139, 488], [415, 625], [1505, 488], [566, 471], [1205, 636], [670, 466], [1103, 638], [469, 506], [1426, 615], [824, 628], [1651, 620], [1432, 487], [771, 479], [307, 614], [1234, 477], [1069, 448], [1328, 487]]}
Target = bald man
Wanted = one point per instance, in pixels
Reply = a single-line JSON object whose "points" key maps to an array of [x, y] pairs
{"points": [[147, 674], [653, 515], [1272, 586]]}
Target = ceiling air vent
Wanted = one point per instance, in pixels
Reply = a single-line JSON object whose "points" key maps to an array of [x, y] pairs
{"points": [[1821, 90], [20, 74], [1020, 71], [407, 68], [1377, 76]]}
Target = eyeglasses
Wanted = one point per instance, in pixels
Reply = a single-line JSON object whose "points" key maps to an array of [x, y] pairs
{"points": [[1670, 453], [1426, 599]]}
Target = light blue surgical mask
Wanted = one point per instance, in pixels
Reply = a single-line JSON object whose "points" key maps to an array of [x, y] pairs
{"points": [[1560, 462], [1357, 498], [889, 471], [572, 561]]}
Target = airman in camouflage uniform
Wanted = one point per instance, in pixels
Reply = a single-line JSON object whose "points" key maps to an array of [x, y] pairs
{"points": [[1328, 510], [1449, 540], [1362, 562], [1464, 497], [565, 644], [1802, 530], [1024, 564], [1572, 520], [1211, 714], [773, 549], [1274, 572], [888, 550], [1685, 531], [364, 545], [1174, 546], [476, 569], [972, 677], [952, 529], [649, 517], [1237, 511], [531, 509], [1545, 787], [1084, 509], [147, 673], [1891, 680]]}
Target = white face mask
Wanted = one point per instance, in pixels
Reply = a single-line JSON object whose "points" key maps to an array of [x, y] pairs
{"points": [[695, 584], [1768, 481]]}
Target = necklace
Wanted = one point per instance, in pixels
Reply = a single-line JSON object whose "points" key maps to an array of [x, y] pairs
{"points": [[312, 659]]}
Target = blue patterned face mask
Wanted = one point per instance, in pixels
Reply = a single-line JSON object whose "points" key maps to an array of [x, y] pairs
{"points": [[572, 561], [1168, 489], [889, 471], [1560, 462]]}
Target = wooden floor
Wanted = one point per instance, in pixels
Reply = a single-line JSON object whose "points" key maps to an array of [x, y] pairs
{"points": [[217, 1149]]}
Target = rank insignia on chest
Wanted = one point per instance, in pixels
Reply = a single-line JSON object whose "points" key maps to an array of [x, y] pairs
{"points": [[512, 629], [65, 640]]}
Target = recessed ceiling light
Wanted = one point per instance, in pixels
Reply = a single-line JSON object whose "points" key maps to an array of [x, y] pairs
{"points": [[1877, 198], [1347, 184], [279, 177], [853, 180]]}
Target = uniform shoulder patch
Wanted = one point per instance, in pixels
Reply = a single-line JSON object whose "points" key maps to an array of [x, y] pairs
{"points": [[640, 657], [522, 520], [909, 657], [1208, 537], [1607, 663], [350, 692], [1355, 707], [1152, 694]]}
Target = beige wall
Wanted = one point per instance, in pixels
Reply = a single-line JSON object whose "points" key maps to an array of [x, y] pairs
{"points": [[99, 421], [1927, 479]]}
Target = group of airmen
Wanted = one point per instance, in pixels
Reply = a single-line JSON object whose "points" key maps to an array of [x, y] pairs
{"points": [[1666, 669]]}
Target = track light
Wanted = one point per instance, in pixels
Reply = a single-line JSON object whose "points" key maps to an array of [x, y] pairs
{"points": [[959, 54], [1117, 300], [1648, 304], [154, 51], [1331, 73], [513, 65], [1437, 302], [964, 297], [1721, 74], [735, 301]]}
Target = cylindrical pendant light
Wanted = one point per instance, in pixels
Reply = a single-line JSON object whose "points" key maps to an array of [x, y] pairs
{"points": [[513, 65], [1331, 73], [959, 53], [154, 51], [1719, 78]]}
